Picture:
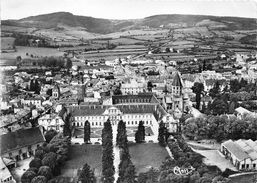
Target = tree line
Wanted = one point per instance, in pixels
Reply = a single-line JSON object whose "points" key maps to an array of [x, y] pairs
{"points": [[48, 160], [183, 157], [221, 127], [236, 93]]}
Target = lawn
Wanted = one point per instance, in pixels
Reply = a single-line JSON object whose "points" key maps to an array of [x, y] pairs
{"points": [[248, 178], [145, 156], [81, 154]]}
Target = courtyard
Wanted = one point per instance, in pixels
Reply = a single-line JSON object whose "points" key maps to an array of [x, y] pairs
{"points": [[143, 156]]}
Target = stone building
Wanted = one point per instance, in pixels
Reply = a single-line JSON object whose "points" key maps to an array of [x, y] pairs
{"points": [[22, 143]]}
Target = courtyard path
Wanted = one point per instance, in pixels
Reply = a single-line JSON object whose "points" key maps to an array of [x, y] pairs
{"points": [[116, 152], [169, 152]]}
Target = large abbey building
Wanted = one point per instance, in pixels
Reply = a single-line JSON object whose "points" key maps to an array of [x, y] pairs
{"points": [[132, 109]]}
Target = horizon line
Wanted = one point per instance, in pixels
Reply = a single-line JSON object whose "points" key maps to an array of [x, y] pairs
{"points": [[133, 18]]}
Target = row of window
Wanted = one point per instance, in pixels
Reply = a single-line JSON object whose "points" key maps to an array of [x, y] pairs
{"points": [[131, 100], [106, 117], [101, 123], [7, 180]]}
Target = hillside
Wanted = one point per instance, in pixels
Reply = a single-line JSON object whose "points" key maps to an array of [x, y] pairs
{"points": [[105, 26]]}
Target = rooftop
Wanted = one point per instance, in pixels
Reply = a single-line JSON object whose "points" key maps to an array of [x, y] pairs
{"points": [[20, 138]]}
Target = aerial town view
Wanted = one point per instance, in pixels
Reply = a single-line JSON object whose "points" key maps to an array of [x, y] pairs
{"points": [[128, 91]]}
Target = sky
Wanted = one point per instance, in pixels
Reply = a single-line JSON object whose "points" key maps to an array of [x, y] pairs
{"points": [[128, 9]]}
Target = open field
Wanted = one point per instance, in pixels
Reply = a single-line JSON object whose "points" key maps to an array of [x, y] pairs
{"points": [[36, 51], [9, 59], [7, 43], [145, 156]]}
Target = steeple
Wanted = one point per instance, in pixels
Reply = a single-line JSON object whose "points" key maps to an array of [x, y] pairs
{"points": [[177, 85], [177, 80]]}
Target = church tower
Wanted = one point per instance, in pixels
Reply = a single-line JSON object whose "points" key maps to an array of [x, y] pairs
{"points": [[176, 88], [176, 91]]}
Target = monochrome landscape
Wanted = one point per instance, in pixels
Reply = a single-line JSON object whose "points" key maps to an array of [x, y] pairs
{"points": [[168, 98]]}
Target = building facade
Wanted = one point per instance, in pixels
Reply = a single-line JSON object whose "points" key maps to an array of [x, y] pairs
{"points": [[22, 143], [241, 153]]}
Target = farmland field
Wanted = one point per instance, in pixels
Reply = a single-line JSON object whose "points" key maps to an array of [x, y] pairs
{"points": [[40, 52], [7, 43]]}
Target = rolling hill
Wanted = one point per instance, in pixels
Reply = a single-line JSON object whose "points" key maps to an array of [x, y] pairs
{"points": [[105, 26]]}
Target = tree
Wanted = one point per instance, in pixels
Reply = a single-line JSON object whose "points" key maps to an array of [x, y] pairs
{"points": [[215, 91], [39, 154], [46, 172], [167, 50], [149, 86], [36, 163], [50, 160], [234, 85], [28, 176], [50, 134], [126, 167], [37, 87], [87, 132], [18, 58], [121, 138], [67, 125], [87, 175], [232, 107], [161, 134], [219, 106], [107, 157], [209, 67], [117, 91], [39, 179], [198, 89], [200, 68], [140, 133], [204, 65], [150, 176]]}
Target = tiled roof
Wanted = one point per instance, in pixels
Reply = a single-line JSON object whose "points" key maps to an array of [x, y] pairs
{"points": [[95, 110], [140, 98], [20, 138], [235, 149], [177, 81]]}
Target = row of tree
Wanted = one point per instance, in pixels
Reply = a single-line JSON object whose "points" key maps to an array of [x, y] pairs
{"points": [[48, 160], [183, 157], [108, 169], [221, 127], [126, 167]]}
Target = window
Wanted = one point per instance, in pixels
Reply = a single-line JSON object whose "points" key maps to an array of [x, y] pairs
{"points": [[135, 122], [92, 123], [96, 123], [254, 165], [132, 122], [243, 166], [128, 122], [100, 123], [247, 166]]}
